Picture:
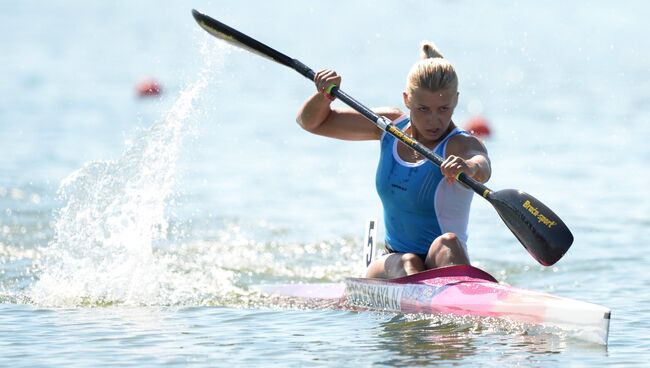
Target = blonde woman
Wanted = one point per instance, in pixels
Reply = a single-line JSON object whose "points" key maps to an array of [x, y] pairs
{"points": [[426, 210]]}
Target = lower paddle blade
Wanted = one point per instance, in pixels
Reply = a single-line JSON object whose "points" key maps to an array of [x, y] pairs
{"points": [[538, 229]]}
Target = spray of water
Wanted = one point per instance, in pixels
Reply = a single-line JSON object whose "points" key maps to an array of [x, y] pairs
{"points": [[114, 213]]}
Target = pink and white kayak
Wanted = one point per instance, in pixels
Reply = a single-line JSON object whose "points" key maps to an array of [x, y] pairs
{"points": [[459, 290]]}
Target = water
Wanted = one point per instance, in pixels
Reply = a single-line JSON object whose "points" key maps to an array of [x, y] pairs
{"points": [[132, 229]]}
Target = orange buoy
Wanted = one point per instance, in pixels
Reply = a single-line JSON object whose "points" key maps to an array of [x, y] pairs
{"points": [[478, 126], [148, 87]]}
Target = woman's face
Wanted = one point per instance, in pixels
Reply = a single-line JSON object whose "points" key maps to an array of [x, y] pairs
{"points": [[431, 112]]}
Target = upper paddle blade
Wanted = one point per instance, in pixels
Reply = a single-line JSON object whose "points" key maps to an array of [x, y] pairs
{"points": [[238, 39], [540, 230]]}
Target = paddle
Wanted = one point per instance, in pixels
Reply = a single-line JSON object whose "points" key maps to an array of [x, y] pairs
{"points": [[538, 229]]}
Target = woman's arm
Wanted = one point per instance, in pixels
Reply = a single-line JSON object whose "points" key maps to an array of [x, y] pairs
{"points": [[317, 116], [468, 155]]}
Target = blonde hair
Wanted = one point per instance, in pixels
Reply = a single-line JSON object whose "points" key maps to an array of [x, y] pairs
{"points": [[432, 71]]}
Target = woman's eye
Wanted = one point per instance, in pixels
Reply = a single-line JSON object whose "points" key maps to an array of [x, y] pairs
{"points": [[444, 109], [423, 109]]}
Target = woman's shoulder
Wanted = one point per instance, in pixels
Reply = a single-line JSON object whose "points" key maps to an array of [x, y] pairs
{"points": [[392, 113], [463, 142]]}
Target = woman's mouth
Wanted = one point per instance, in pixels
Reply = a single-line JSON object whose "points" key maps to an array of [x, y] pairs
{"points": [[433, 132]]}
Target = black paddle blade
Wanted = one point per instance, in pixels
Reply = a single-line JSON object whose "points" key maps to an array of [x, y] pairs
{"points": [[538, 229], [238, 39]]}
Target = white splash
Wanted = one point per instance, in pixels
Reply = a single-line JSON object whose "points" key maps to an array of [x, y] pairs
{"points": [[103, 247]]}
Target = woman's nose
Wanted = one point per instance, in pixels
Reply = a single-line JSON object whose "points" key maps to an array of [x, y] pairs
{"points": [[432, 117]]}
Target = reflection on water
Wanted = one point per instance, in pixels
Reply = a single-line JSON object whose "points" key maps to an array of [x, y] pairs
{"points": [[424, 340]]}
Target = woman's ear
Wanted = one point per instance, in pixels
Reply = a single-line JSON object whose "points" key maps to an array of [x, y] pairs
{"points": [[407, 100]]}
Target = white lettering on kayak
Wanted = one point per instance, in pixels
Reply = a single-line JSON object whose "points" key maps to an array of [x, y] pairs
{"points": [[375, 295]]}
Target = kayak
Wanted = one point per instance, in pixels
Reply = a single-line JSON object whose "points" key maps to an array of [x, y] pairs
{"points": [[461, 290]]}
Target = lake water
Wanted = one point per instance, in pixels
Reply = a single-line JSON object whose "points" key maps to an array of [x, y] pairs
{"points": [[132, 229]]}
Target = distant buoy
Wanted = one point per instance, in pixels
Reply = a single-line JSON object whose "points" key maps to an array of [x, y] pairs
{"points": [[478, 126], [148, 88]]}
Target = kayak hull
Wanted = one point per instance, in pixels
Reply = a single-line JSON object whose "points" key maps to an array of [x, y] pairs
{"points": [[460, 290]]}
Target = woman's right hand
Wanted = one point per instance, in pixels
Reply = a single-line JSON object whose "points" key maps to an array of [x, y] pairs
{"points": [[319, 117], [324, 79]]}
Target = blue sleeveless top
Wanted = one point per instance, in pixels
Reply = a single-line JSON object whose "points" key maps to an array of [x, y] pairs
{"points": [[419, 205]]}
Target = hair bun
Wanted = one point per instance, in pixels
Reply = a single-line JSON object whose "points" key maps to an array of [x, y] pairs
{"points": [[429, 50]]}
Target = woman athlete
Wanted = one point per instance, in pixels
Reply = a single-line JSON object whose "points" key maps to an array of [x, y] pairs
{"points": [[426, 210]]}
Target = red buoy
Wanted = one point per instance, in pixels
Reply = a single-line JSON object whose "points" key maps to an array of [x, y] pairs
{"points": [[148, 87], [478, 126]]}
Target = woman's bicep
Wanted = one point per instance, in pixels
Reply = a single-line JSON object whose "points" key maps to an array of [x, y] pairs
{"points": [[348, 124]]}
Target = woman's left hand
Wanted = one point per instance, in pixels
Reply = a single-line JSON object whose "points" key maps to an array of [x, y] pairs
{"points": [[452, 166]]}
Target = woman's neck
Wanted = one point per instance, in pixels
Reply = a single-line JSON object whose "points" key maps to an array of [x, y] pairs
{"points": [[430, 144]]}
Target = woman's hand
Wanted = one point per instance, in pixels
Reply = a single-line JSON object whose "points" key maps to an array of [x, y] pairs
{"points": [[324, 79], [452, 166]]}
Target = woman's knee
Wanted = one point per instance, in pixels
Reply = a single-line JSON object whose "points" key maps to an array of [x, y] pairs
{"points": [[402, 264], [452, 242], [447, 250], [450, 238], [412, 260], [410, 264]]}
